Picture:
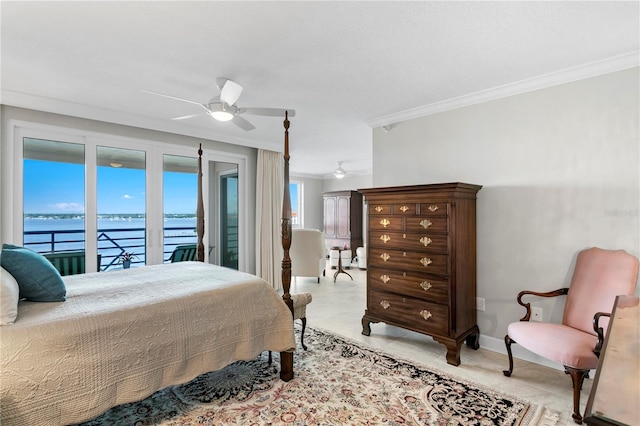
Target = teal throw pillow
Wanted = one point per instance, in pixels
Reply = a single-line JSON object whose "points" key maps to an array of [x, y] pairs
{"points": [[38, 279]]}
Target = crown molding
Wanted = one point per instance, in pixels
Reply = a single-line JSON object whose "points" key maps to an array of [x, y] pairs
{"points": [[613, 64]]}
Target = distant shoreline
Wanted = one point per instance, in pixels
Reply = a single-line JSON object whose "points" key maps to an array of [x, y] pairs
{"points": [[41, 216]]}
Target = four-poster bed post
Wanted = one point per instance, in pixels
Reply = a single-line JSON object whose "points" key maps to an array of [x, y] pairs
{"points": [[200, 211], [286, 358]]}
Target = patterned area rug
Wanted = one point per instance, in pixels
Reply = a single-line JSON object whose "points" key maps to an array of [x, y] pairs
{"points": [[337, 382]]}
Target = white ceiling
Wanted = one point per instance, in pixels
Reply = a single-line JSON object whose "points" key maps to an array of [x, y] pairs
{"points": [[345, 67]]}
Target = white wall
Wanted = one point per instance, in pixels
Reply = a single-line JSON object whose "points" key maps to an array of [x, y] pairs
{"points": [[560, 169], [348, 183], [313, 205]]}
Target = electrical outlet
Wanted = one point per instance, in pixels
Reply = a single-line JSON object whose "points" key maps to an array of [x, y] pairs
{"points": [[479, 303], [536, 314]]}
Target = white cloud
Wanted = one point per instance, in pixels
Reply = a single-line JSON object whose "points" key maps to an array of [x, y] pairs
{"points": [[128, 197], [68, 207]]}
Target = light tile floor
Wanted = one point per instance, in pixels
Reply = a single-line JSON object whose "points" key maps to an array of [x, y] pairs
{"points": [[338, 308]]}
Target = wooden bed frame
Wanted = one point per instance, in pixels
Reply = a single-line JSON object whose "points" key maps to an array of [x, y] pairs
{"points": [[286, 358]]}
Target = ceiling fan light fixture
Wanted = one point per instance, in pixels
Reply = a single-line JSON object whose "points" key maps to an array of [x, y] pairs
{"points": [[221, 115], [339, 173], [220, 112]]}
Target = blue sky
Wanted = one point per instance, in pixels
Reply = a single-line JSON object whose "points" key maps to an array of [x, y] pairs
{"points": [[53, 187]]}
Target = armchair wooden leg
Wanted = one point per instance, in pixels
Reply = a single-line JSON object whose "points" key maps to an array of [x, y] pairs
{"points": [[508, 341], [304, 326], [577, 377]]}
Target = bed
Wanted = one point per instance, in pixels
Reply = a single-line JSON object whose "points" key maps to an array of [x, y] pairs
{"points": [[122, 335]]}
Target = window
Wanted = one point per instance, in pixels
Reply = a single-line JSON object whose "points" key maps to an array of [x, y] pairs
{"points": [[296, 192]]}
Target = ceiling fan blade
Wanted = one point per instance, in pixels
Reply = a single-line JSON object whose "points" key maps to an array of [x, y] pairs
{"points": [[270, 112], [189, 116], [242, 123], [175, 97], [230, 92]]}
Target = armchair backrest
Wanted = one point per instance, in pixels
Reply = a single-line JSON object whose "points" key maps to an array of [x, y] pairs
{"points": [[306, 252], [184, 253], [599, 276]]}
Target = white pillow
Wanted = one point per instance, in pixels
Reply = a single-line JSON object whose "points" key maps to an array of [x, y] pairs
{"points": [[9, 296]]}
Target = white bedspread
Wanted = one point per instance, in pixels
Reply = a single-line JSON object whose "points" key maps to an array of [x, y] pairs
{"points": [[122, 335]]}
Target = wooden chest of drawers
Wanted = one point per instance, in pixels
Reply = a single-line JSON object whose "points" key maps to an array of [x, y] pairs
{"points": [[421, 262]]}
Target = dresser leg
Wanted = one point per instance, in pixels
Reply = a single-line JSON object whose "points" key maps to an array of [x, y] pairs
{"points": [[473, 340], [366, 325], [453, 349]]}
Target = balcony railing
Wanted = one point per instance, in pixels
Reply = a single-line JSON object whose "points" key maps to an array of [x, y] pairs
{"points": [[112, 242]]}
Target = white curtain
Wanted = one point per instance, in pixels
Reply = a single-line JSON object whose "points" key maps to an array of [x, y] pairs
{"points": [[269, 193]]}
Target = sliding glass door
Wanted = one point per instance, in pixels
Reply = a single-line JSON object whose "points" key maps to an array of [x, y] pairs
{"points": [[229, 219], [54, 196], [105, 196], [179, 197], [121, 207]]}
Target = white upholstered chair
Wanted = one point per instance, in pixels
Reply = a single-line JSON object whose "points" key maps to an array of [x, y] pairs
{"points": [[361, 254], [308, 253], [345, 255]]}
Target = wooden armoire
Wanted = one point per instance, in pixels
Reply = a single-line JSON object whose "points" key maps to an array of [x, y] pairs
{"points": [[421, 262], [343, 219]]}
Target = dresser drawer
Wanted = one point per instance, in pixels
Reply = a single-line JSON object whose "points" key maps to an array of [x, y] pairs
{"points": [[412, 284], [388, 222], [436, 208], [406, 261], [379, 209], [407, 311], [420, 241], [431, 224], [407, 209]]}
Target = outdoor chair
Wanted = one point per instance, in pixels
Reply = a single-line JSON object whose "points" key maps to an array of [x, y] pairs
{"points": [[70, 262], [184, 253], [598, 277]]}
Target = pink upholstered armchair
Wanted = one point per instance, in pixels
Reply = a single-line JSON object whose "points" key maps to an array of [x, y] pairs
{"points": [[599, 276]]}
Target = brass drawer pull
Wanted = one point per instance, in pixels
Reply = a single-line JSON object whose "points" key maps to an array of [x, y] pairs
{"points": [[385, 238], [378, 209], [425, 314], [426, 241], [385, 278], [385, 256], [433, 208], [426, 285], [404, 209], [426, 261], [385, 222], [385, 304], [426, 223]]}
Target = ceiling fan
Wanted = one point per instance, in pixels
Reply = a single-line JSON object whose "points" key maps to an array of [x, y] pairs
{"points": [[223, 107], [339, 173]]}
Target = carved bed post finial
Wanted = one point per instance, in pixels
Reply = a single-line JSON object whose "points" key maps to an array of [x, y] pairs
{"points": [[286, 220], [200, 211]]}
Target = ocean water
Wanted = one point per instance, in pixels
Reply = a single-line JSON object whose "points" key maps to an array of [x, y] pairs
{"points": [[116, 233]]}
